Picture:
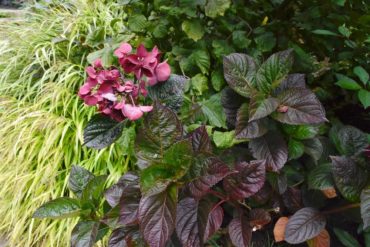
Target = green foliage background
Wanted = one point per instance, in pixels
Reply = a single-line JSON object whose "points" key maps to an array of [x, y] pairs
{"points": [[42, 66]]}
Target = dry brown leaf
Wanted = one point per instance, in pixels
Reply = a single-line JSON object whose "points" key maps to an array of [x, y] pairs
{"points": [[330, 192], [321, 240], [279, 229]]}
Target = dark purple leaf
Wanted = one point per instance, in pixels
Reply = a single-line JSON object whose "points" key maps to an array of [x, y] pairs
{"points": [[157, 216], [291, 81], [197, 221], [249, 179], [124, 237], [349, 178], [240, 231], [231, 102], [161, 130], [305, 224], [214, 170], [272, 148], [302, 107], [292, 199], [201, 141], [246, 129], [84, 234], [129, 204], [114, 193], [239, 72], [258, 217]]}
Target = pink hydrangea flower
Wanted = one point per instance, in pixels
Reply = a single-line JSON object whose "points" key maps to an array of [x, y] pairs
{"points": [[161, 73]]}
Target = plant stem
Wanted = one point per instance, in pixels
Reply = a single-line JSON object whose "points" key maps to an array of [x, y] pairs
{"points": [[340, 209]]}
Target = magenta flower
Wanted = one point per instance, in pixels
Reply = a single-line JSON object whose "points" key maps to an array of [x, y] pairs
{"points": [[161, 73], [135, 112], [123, 50], [141, 63]]}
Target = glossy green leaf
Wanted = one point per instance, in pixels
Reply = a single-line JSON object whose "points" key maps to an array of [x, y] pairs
{"points": [[217, 80], [265, 42], [226, 139], [202, 60], [345, 238], [78, 179], [320, 177], [361, 74], [93, 192], [59, 208], [314, 148], [214, 112], [348, 84], [364, 97], [301, 132], [349, 178], [101, 132], [324, 32], [271, 73], [137, 23], [295, 149], [199, 84]]}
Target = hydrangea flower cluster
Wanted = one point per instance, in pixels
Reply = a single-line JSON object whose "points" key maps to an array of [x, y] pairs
{"points": [[117, 92]]}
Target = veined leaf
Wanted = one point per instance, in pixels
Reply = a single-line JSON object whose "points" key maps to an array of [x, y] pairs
{"points": [[303, 107], [295, 149], [201, 141], [365, 207], [84, 234], [160, 131], [101, 132], [305, 224], [193, 29], [213, 110], [157, 216], [245, 129], [248, 181], [291, 81], [348, 176], [320, 177], [231, 101], [216, 8], [272, 148], [262, 108], [114, 193], [59, 208], [240, 231], [239, 72], [78, 179], [274, 70], [197, 221], [258, 217], [93, 191]]}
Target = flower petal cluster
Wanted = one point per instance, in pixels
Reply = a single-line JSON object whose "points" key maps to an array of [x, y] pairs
{"points": [[117, 92]]}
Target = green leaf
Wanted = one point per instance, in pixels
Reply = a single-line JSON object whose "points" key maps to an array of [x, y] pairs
{"points": [[216, 8], [127, 140], [348, 84], [272, 148], [303, 107], [78, 179], [59, 208], [345, 238], [272, 72], [265, 42], [240, 39], [199, 83], [344, 31], [239, 72], [362, 74], [261, 108], [170, 92], [161, 129], [155, 177], [178, 157], [349, 140], [225, 139], [84, 234], [295, 149], [137, 23], [320, 178], [101, 132], [193, 29], [314, 148], [213, 110], [365, 207], [93, 192], [94, 55], [217, 80], [301, 132], [349, 177], [364, 97], [202, 60], [340, 2], [107, 57], [324, 32]]}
